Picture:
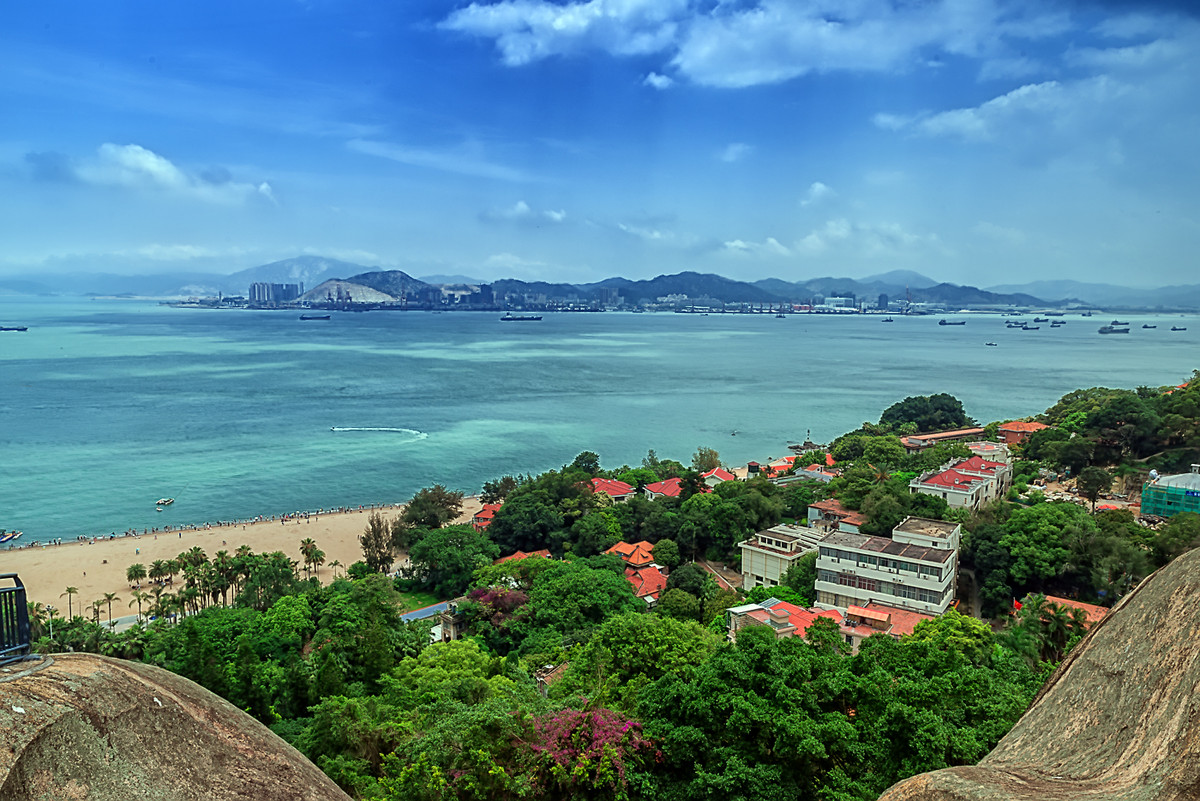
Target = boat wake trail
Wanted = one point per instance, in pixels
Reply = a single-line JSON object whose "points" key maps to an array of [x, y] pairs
{"points": [[412, 432]]}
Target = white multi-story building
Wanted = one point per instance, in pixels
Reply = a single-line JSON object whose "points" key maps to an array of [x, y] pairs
{"points": [[768, 554], [916, 569]]}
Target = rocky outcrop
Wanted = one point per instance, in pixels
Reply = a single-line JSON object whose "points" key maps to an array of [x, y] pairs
{"points": [[77, 727], [1118, 720]]}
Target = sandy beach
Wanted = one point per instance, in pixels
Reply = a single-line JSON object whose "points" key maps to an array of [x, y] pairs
{"points": [[96, 567]]}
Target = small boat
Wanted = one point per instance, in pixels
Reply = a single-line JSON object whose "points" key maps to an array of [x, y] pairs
{"points": [[314, 317], [1178, 328], [1085, 314], [1030, 327], [520, 318], [952, 322], [990, 344], [13, 328], [1041, 319], [1058, 324], [164, 502], [1112, 329], [780, 316], [888, 320], [1147, 325], [1118, 322]]}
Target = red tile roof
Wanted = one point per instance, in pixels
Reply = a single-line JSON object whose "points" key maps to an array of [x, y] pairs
{"points": [[512, 557], [647, 582], [952, 480], [670, 488], [611, 487], [719, 473], [636, 554], [803, 618], [977, 464], [1020, 425], [1094, 613]]}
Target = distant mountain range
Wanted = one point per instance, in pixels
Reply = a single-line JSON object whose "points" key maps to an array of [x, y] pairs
{"points": [[313, 271]]}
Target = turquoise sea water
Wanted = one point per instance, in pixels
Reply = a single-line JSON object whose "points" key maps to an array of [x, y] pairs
{"points": [[106, 406]]}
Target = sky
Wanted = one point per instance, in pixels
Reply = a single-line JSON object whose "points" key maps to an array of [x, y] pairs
{"points": [[979, 142]]}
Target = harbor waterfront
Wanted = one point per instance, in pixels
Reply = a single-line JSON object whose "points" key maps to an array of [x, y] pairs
{"points": [[108, 405]]}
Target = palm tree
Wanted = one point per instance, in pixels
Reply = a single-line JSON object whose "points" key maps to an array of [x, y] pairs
{"points": [[96, 606], [135, 573], [139, 597], [159, 569], [70, 591], [335, 564], [318, 559], [109, 597], [307, 547]]}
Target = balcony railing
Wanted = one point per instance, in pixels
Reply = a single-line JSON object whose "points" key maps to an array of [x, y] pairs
{"points": [[14, 620]]}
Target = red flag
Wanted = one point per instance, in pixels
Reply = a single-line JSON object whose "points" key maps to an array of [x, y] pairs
{"points": [[1016, 605]]}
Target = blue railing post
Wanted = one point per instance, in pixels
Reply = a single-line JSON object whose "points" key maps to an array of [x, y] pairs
{"points": [[14, 620]]}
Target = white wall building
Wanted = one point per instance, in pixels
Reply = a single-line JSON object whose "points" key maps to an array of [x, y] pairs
{"points": [[768, 554], [905, 572]]}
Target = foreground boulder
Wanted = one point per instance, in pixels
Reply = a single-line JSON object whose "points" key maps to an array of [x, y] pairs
{"points": [[1119, 719], [77, 726]]}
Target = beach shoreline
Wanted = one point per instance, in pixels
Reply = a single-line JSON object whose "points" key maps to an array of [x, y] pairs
{"points": [[97, 565]]}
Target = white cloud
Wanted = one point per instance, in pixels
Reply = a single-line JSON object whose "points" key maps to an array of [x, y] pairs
{"points": [[869, 240], [1000, 233], [769, 246], [735, 151], [522, 212], [135, 167], [817, 192], [647, 233], [985, 121], [465, 160], [658, 81], [752, 42], [531, 30]]}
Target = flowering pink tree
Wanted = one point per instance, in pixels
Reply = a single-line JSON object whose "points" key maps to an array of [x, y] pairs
{"points": [[589, 752]]}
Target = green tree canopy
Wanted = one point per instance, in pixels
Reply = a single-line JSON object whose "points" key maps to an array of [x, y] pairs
{"points": [[929, 413]]}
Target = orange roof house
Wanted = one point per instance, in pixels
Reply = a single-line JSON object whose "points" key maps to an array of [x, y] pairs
{"points": [[634, 554], [513, 557], [833, 515], [647, 582], [483, 518], [1018, 431], [788, 620], [861, 622], [1094, 613]]}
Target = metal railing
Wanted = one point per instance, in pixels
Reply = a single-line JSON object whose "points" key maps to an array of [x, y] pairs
{"points": [[14, 620]]}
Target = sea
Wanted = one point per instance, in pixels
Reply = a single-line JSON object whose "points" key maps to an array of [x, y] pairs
{"points": [[108, 405]]}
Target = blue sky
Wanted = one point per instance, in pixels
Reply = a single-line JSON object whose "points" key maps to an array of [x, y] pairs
{"points": [[977, 141]]}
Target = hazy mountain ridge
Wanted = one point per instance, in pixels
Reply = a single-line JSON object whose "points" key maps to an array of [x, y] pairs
{"points": [[312, 271]]}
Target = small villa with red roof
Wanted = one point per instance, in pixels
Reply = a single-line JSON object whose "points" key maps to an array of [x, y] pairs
{"points": [[619, 491], [830, 515], [717, 475], [787, 620], [1018, 431], [513, 557], [670, 488], [1094, 614], [965, 484], [861, 622], [648, 582], [634, 554], [483, 518]]}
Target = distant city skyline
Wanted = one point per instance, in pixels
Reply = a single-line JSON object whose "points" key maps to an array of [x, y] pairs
{"points": [[977, 142]]}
